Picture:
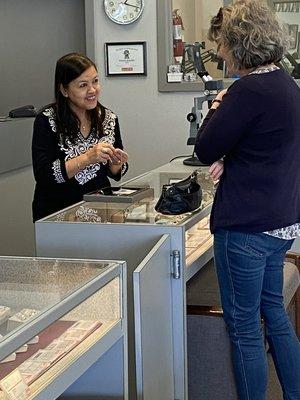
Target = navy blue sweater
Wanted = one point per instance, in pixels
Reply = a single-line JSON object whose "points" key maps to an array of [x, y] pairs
{"points": [[257, 129]]}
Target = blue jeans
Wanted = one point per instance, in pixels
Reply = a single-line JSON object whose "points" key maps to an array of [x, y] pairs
{"points": [[250, 274]]}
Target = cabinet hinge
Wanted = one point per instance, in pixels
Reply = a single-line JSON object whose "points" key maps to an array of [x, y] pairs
{"points": [[176, 264]]}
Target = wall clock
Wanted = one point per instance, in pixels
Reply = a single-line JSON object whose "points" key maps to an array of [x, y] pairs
{"points": [[123, 12]]}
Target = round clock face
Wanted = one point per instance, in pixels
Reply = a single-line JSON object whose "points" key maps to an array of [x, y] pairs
{"points": [[123, 11]]}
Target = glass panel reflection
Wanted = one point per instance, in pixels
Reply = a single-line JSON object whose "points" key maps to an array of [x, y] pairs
{"points": [[140, 212], [190, 25], [65, 340], [29, 287], [191, 20]]}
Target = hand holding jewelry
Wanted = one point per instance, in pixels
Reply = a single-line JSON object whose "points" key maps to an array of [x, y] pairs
{"points": [[119, 157], [101, 152]]}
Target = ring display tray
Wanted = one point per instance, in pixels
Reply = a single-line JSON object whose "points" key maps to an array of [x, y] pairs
{"points": [[122, 194]]}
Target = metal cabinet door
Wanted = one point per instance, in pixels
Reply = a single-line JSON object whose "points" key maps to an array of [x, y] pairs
{"points": [[153, 324]]}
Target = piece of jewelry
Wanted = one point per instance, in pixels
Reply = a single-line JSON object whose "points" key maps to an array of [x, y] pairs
{"points": [[85, 127]]}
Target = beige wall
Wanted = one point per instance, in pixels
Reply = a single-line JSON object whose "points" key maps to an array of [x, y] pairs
{"points": [[153, 124], [17, 228], [33, 35]]}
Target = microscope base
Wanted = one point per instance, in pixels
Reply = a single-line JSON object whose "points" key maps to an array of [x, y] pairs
{"points": [[194, 162]]}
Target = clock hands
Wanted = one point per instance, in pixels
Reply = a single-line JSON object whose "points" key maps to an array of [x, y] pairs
{"points": [[130, 5], [120, 11]]}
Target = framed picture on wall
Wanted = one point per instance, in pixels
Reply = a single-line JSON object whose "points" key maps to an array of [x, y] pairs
{"points": [[286, 6], [293, 34], [125, 58], [298, 46]]}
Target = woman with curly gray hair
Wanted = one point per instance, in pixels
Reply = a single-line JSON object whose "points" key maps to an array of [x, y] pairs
{"points": [[254, 127]]}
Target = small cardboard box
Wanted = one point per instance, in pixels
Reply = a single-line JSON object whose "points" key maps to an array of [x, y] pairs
{"points": [[175, 77]]}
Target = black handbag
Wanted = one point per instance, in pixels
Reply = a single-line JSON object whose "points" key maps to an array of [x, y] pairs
{"points": [[180, 197]]}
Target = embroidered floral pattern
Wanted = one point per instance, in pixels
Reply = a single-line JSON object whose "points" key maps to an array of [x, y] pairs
{"points": [[87, 214], [57, 171], [49, 112], [83, 214], [124, 169], [81, 145], [109, 125], [289, 232], [61, 217]]}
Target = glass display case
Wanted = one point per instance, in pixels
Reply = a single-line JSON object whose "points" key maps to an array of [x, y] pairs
{"points": [[142, 211], [132, 232], [57, 318]]}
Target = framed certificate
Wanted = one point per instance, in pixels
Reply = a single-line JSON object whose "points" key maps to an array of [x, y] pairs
{"points": [[125, 58]]}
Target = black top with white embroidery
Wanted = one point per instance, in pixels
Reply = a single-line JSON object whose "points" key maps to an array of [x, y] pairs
{"points": [[54, 190]]}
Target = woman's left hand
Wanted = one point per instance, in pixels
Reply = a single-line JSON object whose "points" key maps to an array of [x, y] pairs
{"points": [[119, 157]]}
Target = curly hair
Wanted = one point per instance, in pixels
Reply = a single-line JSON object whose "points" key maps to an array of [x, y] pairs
{"points": [[249, 31]]}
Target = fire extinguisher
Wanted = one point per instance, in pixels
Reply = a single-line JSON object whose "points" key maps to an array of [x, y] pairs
{"points": [[178, 41]]}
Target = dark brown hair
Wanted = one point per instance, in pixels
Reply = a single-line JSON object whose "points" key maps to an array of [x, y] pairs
{"points": [[68, 68]]}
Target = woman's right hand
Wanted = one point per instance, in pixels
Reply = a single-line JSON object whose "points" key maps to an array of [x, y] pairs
{"points": [[216, 170], [218, 99], [221, 94], [101, 152]]}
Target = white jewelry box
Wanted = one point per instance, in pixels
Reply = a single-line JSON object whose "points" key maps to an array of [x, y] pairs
{"points": [[174, 77]]}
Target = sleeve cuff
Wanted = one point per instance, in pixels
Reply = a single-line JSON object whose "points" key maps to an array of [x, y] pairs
{"points": [[119, 175], [124, 169], [59, 171]]}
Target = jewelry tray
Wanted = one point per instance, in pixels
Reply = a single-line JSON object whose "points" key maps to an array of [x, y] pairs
{"points": [[121, 194]]}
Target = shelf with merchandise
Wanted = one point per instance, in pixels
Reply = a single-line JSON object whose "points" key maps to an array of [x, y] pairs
{"points": [[198, 246]]}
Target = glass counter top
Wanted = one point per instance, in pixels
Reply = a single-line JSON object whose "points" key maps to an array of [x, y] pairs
{"points": [[53, 312], [141, 212], [31, 286]]}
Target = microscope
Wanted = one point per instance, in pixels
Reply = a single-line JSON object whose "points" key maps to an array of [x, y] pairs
{"points": [[195, 61], [295, 73]]}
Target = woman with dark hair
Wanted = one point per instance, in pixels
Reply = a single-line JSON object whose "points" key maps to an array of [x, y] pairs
{"points": [[76, 141], [254, 127]]}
